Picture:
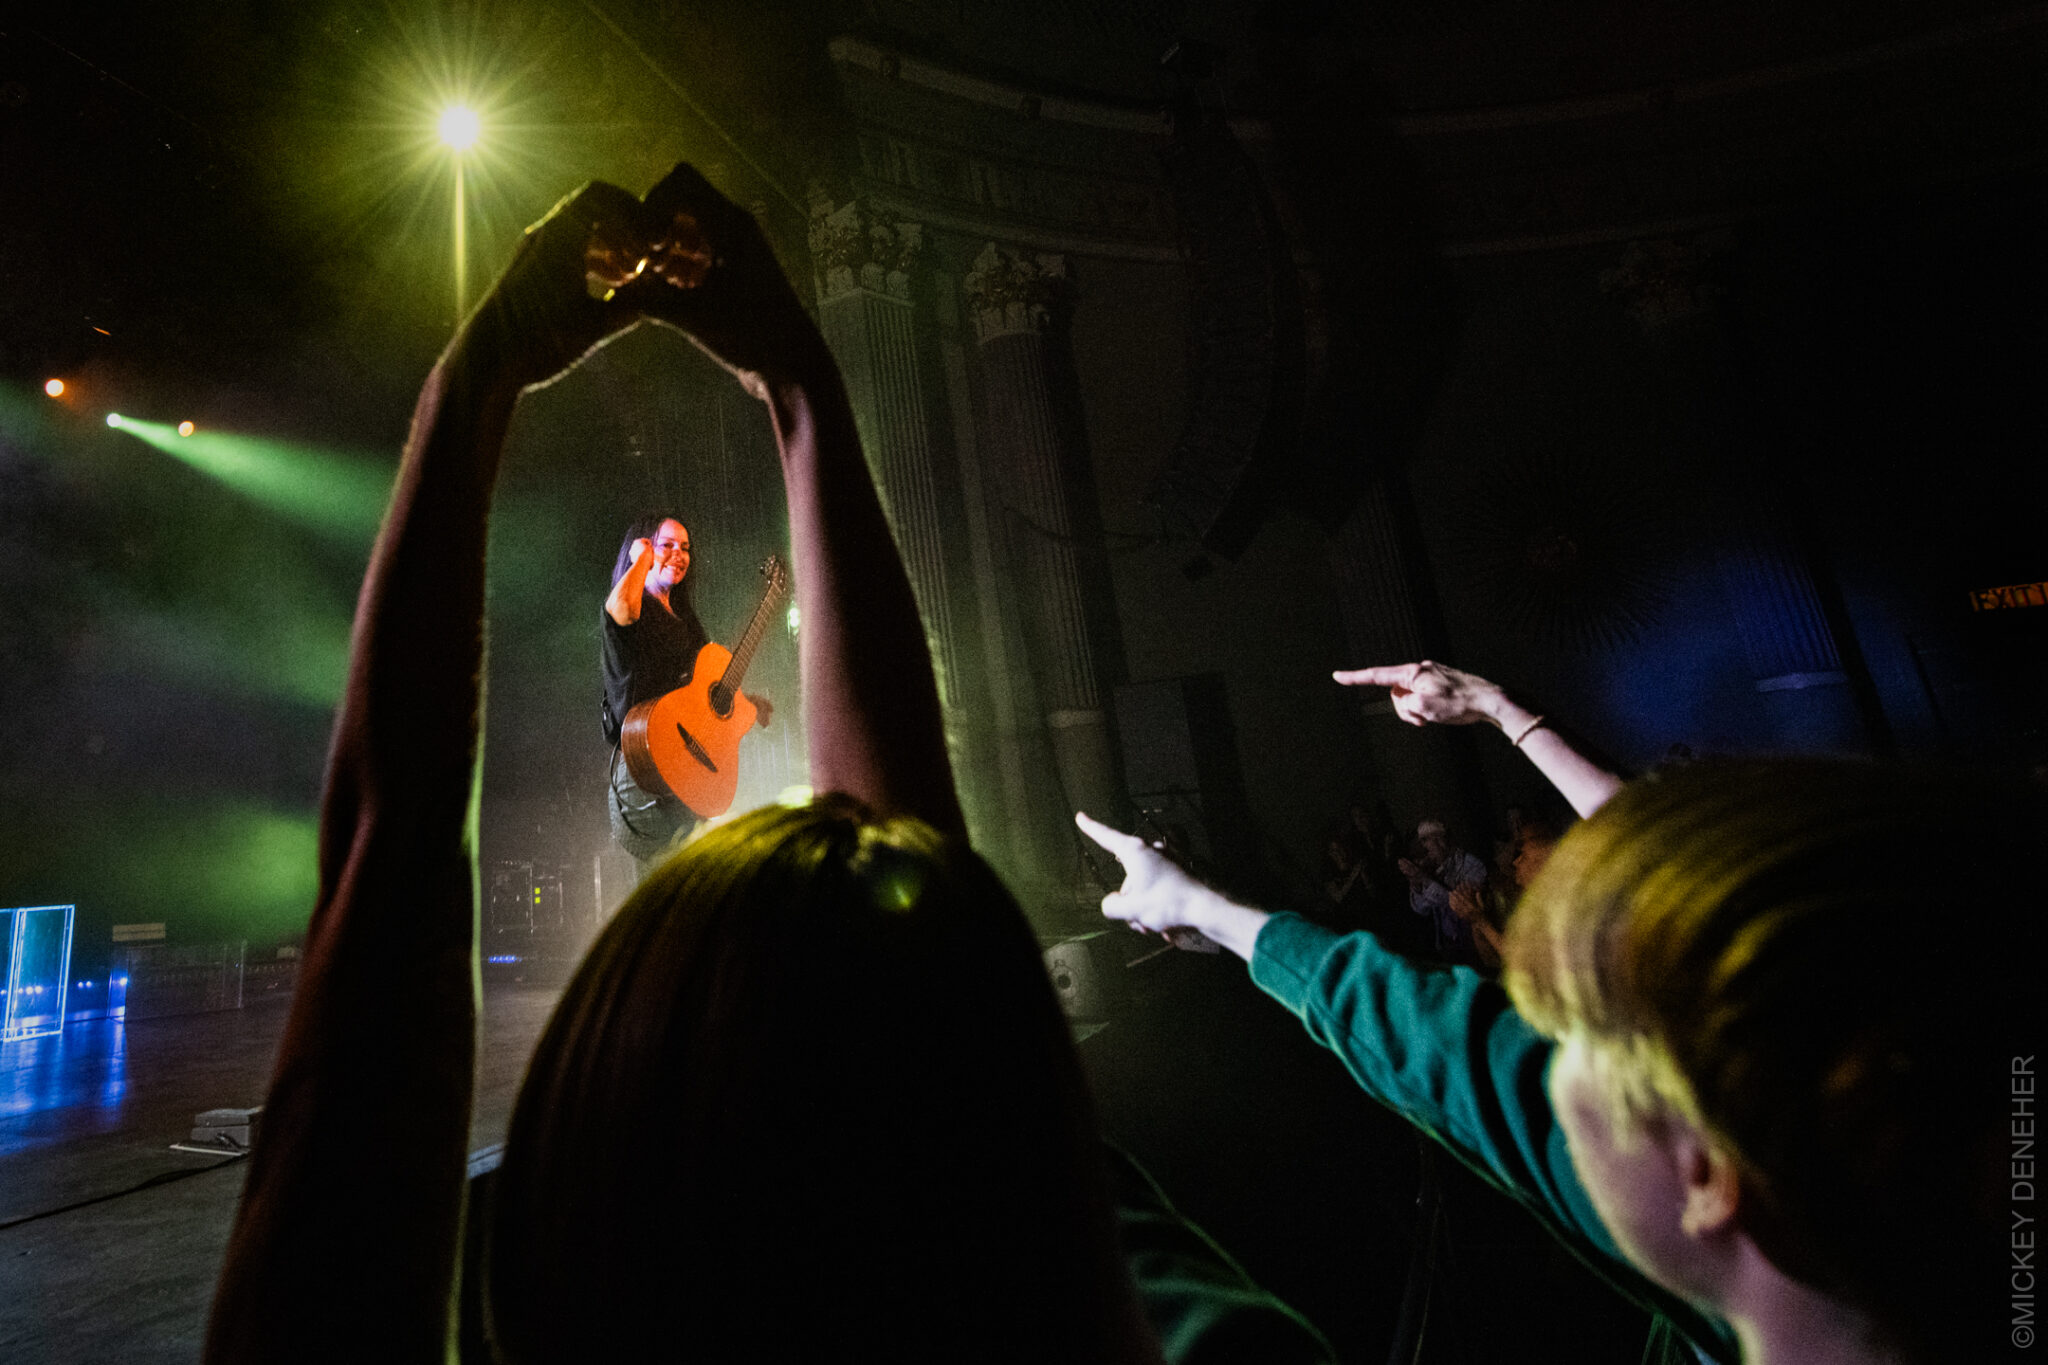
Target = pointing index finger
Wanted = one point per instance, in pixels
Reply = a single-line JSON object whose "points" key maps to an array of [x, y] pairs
{"points": [[1115, 840], [1384, 675]]}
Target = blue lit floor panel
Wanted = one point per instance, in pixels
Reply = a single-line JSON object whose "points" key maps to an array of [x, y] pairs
{"points": [[94, 1110]]}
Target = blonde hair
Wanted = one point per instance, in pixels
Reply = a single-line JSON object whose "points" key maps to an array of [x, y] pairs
{"points": [[1768, 947]]}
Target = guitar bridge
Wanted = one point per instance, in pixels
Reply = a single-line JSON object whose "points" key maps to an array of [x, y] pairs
{"points": [[696, 749]]}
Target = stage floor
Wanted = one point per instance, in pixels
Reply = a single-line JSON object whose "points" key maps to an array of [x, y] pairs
{"points": [[94, 1111]]}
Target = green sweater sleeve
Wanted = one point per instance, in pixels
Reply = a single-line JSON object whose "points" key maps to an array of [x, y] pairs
{"points": [[1444, 1048]]}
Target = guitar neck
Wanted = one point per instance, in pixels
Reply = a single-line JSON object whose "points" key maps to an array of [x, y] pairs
{"points": [[750, 639]]}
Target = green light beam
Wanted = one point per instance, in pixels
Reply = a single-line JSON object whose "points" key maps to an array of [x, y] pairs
{"points": [[300, 654], [258, 866], [336, 494]]}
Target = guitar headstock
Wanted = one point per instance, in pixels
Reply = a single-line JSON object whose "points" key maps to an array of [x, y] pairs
{"points": [[773, 570]]}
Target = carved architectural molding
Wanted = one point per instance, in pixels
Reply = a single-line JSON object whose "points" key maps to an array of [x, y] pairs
{"points": [[965, 155], [1011, 292], [1667, 280], [858, 246]]}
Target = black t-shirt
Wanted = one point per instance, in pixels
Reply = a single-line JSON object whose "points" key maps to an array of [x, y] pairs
{"points": [[655, 654]]}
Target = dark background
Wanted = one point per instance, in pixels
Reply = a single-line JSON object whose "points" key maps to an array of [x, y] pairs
{"points": [[1628, 342]]}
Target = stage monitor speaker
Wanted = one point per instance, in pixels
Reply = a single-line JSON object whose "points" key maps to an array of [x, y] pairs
{"points": [[550, 902], [533, 900], [152, 980], [508, 904], [1083, 977]]}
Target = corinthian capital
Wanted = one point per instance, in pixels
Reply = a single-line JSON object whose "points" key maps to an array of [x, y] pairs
{"points": [[1014, 291], [1668, 280], [855, 246]]}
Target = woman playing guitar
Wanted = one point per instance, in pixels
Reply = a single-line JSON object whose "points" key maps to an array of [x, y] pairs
{"points": [[651, 637]]}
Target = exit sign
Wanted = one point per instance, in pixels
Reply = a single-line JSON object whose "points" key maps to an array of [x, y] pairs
{"points": [[2019, 595]]}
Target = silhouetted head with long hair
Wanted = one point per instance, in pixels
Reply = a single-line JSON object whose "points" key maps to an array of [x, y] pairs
{"points": [[810, 1097]]}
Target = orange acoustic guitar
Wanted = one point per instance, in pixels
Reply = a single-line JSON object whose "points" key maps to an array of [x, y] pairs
{"points": [[686, 743]]}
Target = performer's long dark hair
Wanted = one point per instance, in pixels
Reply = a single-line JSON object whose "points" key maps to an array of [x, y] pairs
{"points": [[682, 599]]}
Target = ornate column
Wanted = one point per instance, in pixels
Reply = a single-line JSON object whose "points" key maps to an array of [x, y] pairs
{"points": [[863, 259], [1015, 300]]}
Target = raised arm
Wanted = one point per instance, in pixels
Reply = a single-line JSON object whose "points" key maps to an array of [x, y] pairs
{"points": [[344, 1247], [871, 705], [623, 605], [1431, 694]]}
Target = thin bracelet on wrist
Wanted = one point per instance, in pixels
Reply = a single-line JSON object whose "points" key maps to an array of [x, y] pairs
{"points": [[1527, 730]]}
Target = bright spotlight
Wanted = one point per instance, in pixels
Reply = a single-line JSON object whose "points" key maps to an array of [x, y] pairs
{"points": [[55, 388], [113, 419], [460, 126], [185, 428]]}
